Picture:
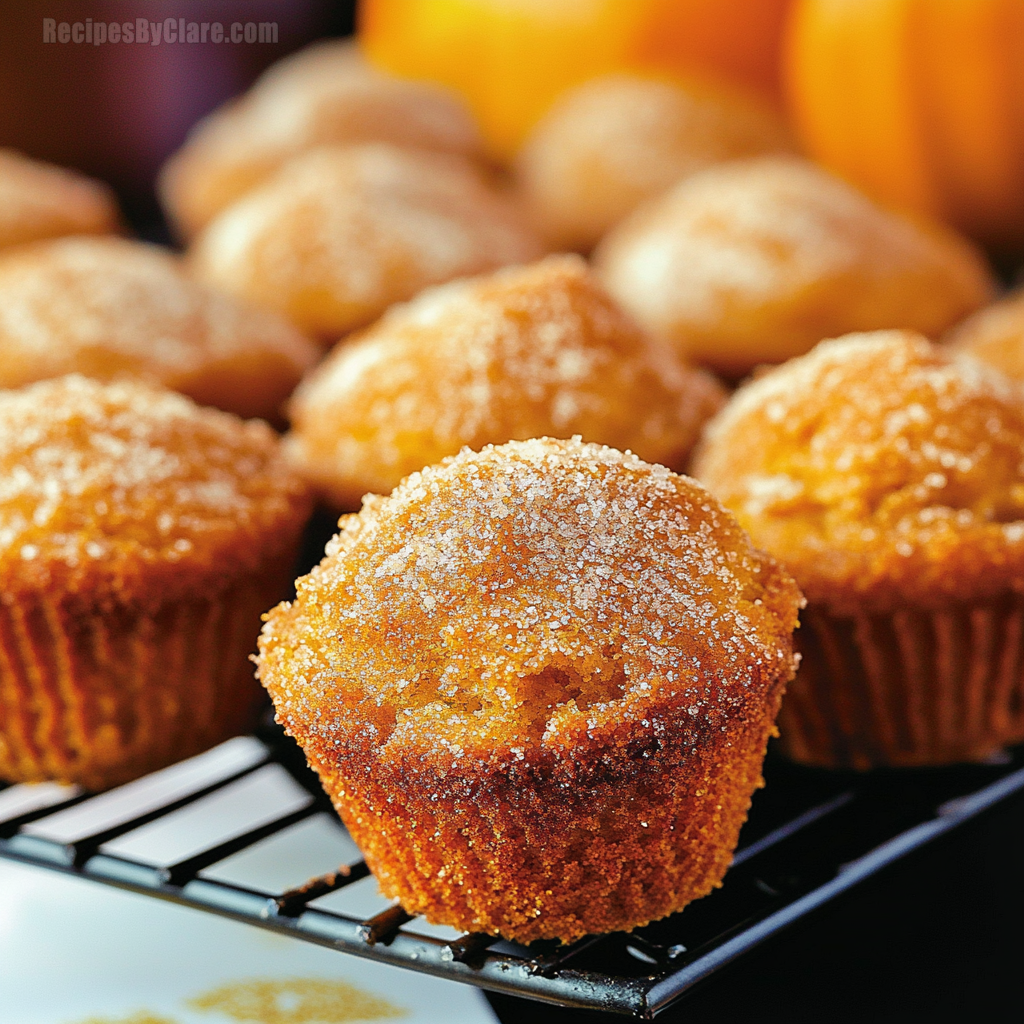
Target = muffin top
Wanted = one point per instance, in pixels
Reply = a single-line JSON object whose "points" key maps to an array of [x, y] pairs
{"points": [[542, 599], [125, 492], [881, 470], [38, 200], [325, 95], [341, 233], [110, 307], [524, 352], [995, 335], [756, 261], [607, 145]]}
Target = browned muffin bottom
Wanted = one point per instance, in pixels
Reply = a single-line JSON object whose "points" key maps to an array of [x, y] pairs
{"points": [[140, 539], [39, 200], [887, 475], [537, 681], [525, 352]]}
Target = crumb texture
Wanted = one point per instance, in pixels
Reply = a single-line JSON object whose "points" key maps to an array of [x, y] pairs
{"points": [[538, 682], [881, 470], [524, 352]]}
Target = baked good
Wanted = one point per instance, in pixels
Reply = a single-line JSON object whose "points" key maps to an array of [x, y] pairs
{"points": [[756, 261], [39, 200], [609, 144], [110, 307], [140, 539], [522, 352], [324, 95], [995, 335], [537, 682], [341, 233], [886, 474]]}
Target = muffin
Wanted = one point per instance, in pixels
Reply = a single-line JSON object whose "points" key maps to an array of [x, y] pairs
{"points": [[325, 95], [38, 200], [109, 307], [887, 475], [609, 144], [340, 234], [523, 352], [537, 682], [995, 335], [757, 261], [140, 539]]}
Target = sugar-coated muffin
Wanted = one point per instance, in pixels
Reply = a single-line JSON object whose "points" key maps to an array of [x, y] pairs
{"points": [[887, 475], [341, 233], [609, 144], [39, 200], [537, 682], [524, 352], [756, 261], [995, 335], [324, 95], [140, 539], [111, 308]]}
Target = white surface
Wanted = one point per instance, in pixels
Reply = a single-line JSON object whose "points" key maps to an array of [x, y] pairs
{"points": [[310, 848], [72, 949], [267, 794], [150, 792], [19, 800]]}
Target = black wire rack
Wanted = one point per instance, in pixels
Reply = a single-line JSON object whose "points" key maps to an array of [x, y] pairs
{"points": [[245, 831]]}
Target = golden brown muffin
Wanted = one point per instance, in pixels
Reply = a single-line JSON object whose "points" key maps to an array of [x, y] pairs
{"points": [[39, 200], [524, 352], [537, 683], [326, 95], [887, 475], [109, 308], [340, 234], [609, 144], [140, 539], [995, 335], [756, 261]]}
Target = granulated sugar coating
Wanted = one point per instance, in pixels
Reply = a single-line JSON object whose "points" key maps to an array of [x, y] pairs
{"points": [[537, 683], [141, 537], [881, 470], [609, 144], [756, 261], [325, 94], [340, 233], [128, 492], [113, 308], [524, 352], [38, 200]]}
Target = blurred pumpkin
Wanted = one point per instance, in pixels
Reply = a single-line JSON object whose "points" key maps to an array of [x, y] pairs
{"points": [[512, 58], [919, 102]]}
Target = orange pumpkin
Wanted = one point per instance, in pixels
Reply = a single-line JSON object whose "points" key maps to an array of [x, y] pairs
{"points": [[919, 102], [511, 58]]}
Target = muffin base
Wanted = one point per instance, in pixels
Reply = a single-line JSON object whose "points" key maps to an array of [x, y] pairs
{"points": [[528, 858], [101, 696], [911, 688]]}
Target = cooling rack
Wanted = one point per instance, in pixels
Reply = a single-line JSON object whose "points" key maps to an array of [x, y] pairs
{"points": [[245, 831]]}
